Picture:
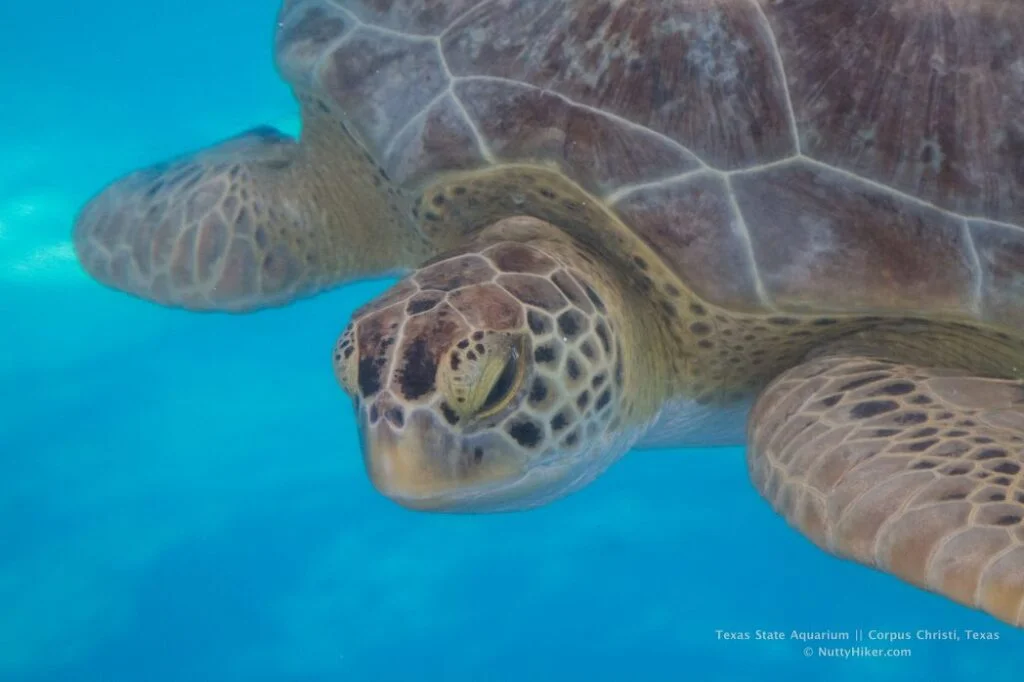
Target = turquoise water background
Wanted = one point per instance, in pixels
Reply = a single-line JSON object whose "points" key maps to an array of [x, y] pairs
{"points": [[182, 497]]}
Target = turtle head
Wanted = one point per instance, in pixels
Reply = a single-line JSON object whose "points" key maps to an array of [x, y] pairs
{"points": [[491, 378]]}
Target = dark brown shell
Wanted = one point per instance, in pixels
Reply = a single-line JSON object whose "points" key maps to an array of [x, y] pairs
{"points": [[801, 154]]}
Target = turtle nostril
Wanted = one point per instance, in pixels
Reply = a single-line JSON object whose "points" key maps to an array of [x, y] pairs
{"points": [[396, 416]]}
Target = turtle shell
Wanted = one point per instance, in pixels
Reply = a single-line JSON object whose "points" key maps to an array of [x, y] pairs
{"points": [[799, 155]]}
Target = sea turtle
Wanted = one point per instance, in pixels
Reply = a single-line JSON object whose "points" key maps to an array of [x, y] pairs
{"points": [[797, 224]]}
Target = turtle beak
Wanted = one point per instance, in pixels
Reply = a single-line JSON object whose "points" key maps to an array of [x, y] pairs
{"points": [[423, 466], [401, 467]]}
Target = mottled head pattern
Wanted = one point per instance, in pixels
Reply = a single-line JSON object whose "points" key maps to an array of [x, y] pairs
{"points": [[486, 380]]}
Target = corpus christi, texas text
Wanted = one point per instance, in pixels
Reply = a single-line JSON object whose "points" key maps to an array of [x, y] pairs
{"points": [[859, 635]]}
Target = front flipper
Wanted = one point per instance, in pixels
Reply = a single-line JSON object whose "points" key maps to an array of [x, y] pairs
{"points": [[915, 472], [254, 221], [203, 231]]}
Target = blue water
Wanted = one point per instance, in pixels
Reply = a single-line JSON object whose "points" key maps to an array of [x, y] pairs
{"points": [[181, 496]]}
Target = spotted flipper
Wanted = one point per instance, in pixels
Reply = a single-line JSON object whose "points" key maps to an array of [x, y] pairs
{"points": [[915, 472], [200, 231], [254, 221]]}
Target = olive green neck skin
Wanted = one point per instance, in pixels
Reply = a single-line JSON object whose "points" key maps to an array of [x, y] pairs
{"points": [[976, 350], [366, 221]]}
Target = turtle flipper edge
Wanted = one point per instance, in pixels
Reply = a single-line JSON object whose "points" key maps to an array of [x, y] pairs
{"points": [[916, 472], [257, 220]]}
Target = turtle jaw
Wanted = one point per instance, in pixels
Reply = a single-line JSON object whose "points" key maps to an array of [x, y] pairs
{"points": [[425, 466], [425, 474]]}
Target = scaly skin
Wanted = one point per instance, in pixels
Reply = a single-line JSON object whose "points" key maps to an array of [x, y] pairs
{"points": [[522, 310], [911, 469], [256, 221]]}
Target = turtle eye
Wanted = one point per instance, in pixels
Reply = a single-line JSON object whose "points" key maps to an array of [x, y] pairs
{"points": [[505, 385]]}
